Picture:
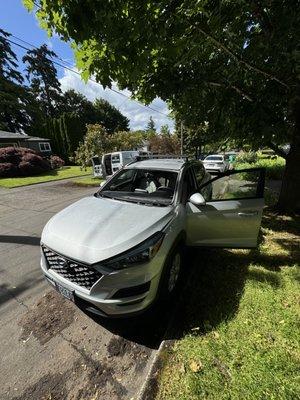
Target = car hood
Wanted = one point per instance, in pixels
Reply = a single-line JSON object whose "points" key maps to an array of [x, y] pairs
{"points": [[94, 229]]}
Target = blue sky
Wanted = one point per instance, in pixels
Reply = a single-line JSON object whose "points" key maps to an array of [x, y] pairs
{"points": [[15, 19]]}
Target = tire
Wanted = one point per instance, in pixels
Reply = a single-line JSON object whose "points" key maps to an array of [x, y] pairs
{"points": [[172, 273]]}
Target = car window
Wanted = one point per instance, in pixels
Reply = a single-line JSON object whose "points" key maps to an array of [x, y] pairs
{"points": [[206, 191], [239, 185], [136, 185], [214, 158], [115, 158], [199, 171], [188, 186]]}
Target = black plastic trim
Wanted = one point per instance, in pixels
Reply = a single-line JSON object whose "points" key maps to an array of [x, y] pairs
{"points": [[131, 291]]}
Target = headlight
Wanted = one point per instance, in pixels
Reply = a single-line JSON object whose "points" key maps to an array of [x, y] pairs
{"points": [[139, 254]]}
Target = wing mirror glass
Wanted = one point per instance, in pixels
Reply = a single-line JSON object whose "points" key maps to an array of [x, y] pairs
{"points": [[197, 199]]}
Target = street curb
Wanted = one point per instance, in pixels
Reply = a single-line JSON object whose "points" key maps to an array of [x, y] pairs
{"points": [[150, 385], [152, 374]]}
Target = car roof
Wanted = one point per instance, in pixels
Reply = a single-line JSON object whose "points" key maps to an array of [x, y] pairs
{"points": [[215, 155], [174, 164]]}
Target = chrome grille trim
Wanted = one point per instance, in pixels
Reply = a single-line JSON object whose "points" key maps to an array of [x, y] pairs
{"points": [[80, 274]]}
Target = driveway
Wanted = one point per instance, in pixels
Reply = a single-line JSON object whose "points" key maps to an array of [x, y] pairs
{"points": [[50, 349]]}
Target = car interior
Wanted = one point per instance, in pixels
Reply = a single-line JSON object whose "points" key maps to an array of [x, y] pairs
{"points": [[144, 183]]}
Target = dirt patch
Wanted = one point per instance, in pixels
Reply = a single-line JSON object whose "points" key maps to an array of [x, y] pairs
{"points": [[51, 315], [100, 381], [49, 387], [139, 355]]}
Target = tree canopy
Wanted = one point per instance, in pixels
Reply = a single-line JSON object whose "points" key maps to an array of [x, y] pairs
{"points": [[231, 64], [42, 76], [41, 108], [14, 98]]}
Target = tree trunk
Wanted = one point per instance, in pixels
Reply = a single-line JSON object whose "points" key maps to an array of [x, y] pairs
{"points": [[289, 199]]}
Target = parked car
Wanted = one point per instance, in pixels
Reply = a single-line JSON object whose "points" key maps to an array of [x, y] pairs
{"points": [[118, 251], [216, 163]]}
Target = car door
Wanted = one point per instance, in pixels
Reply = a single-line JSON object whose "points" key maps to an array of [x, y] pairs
{"points": [[231, 216]]}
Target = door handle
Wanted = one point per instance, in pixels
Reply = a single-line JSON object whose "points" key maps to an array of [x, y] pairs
{"points": [[248, 214]]}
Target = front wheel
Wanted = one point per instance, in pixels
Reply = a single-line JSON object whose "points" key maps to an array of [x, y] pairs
{"points": [[171, 275]]}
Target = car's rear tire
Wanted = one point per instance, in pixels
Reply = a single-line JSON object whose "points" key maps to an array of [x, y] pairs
{"points": [[172, 273]]}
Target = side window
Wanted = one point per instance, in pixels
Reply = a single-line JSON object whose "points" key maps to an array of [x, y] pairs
{"points": [[240, 185], [206, 191], [188, 187], [44, 146], [199, 173]]}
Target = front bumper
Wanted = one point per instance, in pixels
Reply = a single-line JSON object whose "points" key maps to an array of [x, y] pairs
{"points": [[104, 298], [212, 169]]}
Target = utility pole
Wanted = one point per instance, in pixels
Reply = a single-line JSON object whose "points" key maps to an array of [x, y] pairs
{"points": [[181, 138]]}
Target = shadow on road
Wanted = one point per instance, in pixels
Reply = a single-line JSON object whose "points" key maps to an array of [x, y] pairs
{"points": [[29, 240], [146, 329], [210, 294]]}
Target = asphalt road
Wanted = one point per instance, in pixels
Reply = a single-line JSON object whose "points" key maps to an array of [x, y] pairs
{"points": [[50, 349]]}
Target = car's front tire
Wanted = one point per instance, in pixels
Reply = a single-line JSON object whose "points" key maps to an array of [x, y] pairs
{"points": [[172, 273]]}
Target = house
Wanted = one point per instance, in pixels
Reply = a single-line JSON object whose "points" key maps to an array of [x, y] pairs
{"points": [[42, 145]]}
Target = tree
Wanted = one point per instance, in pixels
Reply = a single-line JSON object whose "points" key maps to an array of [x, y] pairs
{"points": [[231, 64], [14, 98], [96, 142], [124, 140], [42, 76], [77, 104], [109, 116], [164, 130], [151, 125], [164, 144]]}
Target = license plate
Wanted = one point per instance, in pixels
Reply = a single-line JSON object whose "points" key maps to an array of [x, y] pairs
{"points": [[68, 294]]}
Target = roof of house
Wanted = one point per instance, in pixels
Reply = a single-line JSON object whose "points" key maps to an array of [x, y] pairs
{"points": [[20, 136]]}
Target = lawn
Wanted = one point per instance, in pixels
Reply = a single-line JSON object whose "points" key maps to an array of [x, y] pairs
{"points": [[87, 181], [62, 173], [237, 326]]}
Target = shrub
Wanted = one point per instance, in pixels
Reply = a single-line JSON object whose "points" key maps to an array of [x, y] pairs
{"points": [[56, 162], [21, 162], [274, 167], [247, 157], [8, 169]]}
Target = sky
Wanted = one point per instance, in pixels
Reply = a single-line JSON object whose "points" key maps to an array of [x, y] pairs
{"points": [[15, 19]]}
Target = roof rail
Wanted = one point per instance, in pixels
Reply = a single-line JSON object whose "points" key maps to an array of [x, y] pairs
{"points": [[161, 156]]}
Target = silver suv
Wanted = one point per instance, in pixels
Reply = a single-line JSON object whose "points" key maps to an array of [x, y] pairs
{"points": [[114, 253]]}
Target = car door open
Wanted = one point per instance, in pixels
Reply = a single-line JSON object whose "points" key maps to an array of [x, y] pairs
{"points": [[231, 215]]}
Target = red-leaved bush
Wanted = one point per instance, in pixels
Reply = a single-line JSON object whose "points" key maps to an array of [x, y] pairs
{"points": [[21, 162], [56, 162]]}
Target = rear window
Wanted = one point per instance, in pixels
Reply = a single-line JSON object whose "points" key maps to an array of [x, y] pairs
{"points": [[214, 158], [115, 159]]}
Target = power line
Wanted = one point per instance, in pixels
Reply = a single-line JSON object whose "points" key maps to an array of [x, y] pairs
{"points": [[76, 72]]}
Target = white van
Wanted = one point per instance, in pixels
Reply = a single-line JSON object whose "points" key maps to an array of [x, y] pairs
{"points": [[121, 158], [112, 162]]}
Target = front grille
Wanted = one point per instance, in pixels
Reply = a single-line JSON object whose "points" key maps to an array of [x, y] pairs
{"points": [[77, 273]]}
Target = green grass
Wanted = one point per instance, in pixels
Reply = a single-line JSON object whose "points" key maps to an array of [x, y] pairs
{"points": [[62, 173], [239, 322], [87, 181], [274, 167]]}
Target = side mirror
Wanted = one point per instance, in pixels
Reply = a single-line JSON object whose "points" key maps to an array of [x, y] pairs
{"points": [[197, 199]]}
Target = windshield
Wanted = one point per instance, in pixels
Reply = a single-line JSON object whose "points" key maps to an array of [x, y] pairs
{"points": [[214, 158], [152, 187]]}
